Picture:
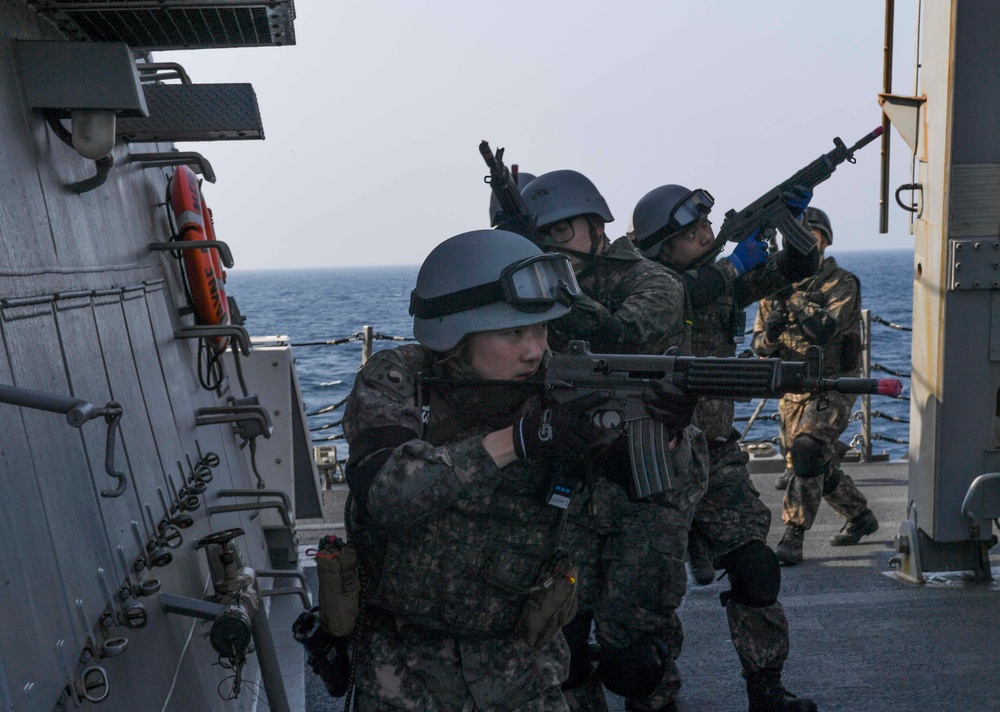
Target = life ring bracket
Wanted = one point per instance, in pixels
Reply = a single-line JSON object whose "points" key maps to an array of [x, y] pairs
{"points": [[225, 254]]}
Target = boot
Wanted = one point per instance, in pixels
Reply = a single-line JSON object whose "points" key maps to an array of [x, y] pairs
{"points": [[782, 482], [855, 528], [789, 549], [700, 562], [767, 694]]}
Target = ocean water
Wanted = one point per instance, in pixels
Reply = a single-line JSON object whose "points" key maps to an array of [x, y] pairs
{"points": [[322, 305]]}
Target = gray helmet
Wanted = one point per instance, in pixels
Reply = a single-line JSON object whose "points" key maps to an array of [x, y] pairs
{"points": [[559, 195], [663, 212], [485, 280], [817, 219], [496, 212]]}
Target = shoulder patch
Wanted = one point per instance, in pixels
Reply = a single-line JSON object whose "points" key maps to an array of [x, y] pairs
{"points": [[384, 371]]}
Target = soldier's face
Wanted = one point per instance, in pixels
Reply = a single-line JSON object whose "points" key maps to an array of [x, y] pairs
{"points": [[508, 354], [577, 235], [821, 242], [684, 248]]}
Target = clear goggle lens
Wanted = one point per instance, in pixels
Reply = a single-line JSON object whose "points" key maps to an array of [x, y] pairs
{"points": [[690, 210], [539, 282]]}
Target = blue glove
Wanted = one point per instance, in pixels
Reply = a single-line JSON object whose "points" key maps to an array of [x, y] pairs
{"points": [[748, 254], [797, 199]]}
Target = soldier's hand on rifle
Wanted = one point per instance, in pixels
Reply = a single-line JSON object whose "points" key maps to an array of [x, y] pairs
{"points": [[749, 253], [561, 431], [797, 198], [774, 325], [670, 405]]}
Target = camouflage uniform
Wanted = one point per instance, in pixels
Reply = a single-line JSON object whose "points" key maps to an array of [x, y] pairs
{"points": [[829, 301], [451, 543], [731, 514], [636, 581]]}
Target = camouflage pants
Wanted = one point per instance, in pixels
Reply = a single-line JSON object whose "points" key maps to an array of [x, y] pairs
{"points": [[402, 667], [801, 415]]}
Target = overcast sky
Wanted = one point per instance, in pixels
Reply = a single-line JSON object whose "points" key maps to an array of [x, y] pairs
{"points": [[373, 119]]}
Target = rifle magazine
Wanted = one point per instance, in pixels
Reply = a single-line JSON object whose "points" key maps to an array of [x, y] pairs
{"points": [[649, 447]]}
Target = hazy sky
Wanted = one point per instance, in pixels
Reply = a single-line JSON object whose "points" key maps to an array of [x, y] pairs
{"points": [[373, 119]]}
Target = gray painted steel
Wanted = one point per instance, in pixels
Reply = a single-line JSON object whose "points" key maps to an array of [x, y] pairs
{"points": [[88, 311]]}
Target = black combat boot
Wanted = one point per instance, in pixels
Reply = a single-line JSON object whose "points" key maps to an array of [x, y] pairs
{"points": [[767, 694], [855, 528], [789, 549], [782, 482]]}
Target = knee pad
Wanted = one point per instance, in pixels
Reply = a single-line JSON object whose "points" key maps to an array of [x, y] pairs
{"points": [[634, 671], [831, 482], [807, 456], [754, 575], [577, 634]]}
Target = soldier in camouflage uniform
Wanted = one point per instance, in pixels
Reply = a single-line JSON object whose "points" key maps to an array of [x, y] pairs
{"points": [[825, 310], [469, 572], [670, 224], [629, 305]]}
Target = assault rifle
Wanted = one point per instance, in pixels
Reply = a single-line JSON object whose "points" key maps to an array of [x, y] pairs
{"points": [[626, 377], [577, 372], [769, 211], [515, 215]]}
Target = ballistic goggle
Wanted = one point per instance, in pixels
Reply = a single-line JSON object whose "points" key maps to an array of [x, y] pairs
{"points": [[692, 208], [532, 285]]}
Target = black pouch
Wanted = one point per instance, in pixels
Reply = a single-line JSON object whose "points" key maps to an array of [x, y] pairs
{"points": [[328, 656]]}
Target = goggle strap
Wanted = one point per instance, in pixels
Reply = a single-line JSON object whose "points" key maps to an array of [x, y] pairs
{"points": [[455, 302]]}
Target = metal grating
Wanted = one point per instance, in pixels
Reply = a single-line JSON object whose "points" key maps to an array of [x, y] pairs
{"points": [[195, 112], [147, 25]]}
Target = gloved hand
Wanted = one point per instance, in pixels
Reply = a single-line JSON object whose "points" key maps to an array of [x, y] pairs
{"points": [[774, 325], [817, 297], [670, 405], [797, 199], [748, 254], [561, 431]]}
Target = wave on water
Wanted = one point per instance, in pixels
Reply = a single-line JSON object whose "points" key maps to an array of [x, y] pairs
{"points": [[327, 384]]}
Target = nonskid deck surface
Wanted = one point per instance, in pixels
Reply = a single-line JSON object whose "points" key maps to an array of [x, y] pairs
{"points": [[861, 640]]}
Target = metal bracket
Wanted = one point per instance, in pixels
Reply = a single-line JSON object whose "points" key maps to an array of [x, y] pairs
{"points": [[302, 591], [225, 254], [175, 158], [913, 207], [239, 414], [202, 331], [160, 71]]}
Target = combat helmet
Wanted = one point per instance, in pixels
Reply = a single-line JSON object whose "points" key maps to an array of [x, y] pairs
{"points": [[485, 280], [816, 219], [560, 195], [663, 212], [496, 212]]}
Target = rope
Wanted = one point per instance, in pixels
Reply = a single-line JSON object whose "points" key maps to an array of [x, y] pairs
{"points": [[766, 416], [383, 337], [879, 367], [879, 320], [886, 438]]}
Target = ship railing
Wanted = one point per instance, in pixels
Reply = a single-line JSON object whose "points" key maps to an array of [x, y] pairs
{"points": [[862, 442]]}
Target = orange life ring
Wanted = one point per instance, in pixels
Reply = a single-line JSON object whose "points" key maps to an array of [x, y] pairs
{"points": [[205, 276]]}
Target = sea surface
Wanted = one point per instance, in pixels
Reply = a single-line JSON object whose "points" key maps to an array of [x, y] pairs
{"points": [[311, 306]]}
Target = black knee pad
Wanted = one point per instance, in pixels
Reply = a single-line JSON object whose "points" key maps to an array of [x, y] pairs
{"points": [[634, 671], [831, 482], [807, 456], [577, 633], [754, 575]]}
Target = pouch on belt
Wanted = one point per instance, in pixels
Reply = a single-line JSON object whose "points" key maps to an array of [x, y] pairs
{"points": [[339, 586], [551, 604]]}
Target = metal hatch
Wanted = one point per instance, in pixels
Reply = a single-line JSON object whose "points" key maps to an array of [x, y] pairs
{"points": [[174, 24]]}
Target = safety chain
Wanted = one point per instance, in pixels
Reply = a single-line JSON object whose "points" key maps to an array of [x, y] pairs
{"points": [[329, 408], [325, 427], [856, 415], [879, 367], [886, 438], [766, 416], [879, 320], [356, 336]]}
